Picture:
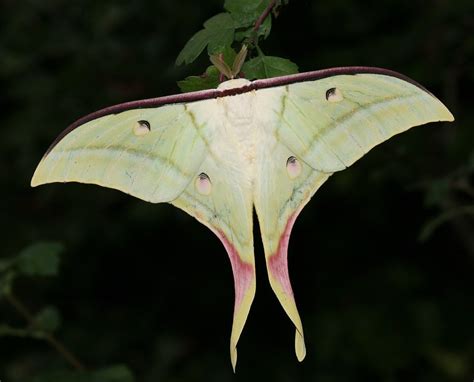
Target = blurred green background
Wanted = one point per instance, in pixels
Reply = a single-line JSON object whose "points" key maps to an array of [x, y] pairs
{"points": [[147, 286]]}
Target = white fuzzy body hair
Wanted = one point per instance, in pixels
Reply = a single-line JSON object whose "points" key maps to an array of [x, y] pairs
{"points": [[237, 139]]}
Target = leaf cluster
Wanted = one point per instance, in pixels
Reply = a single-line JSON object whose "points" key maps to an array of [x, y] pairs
{"points": [[42, 259], [38, 259], [241, 28]]}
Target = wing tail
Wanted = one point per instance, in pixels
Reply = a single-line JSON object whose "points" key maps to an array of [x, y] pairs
{"points": [[283, 188], [277, 267], [225, 207], [243, 268]]}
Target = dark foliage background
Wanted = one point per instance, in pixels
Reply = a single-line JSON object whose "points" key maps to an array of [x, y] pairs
{"points": [[147, 286]]}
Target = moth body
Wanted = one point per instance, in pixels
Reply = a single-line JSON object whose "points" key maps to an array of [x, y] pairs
{"points": [[237, 137]]}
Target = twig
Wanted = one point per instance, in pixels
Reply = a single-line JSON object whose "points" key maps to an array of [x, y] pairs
{"points": [[55, 343], [264, 15]]}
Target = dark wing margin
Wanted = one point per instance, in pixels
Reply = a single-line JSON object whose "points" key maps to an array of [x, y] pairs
{"points": [[215, 93], [324, 73]]}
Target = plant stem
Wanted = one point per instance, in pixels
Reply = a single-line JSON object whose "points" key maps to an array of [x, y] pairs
{"points": [[264, 15], [55, 343]]}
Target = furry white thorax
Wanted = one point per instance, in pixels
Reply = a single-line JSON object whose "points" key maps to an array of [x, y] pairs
{"points": [[237, 131], [232, 84], [239, 135]]}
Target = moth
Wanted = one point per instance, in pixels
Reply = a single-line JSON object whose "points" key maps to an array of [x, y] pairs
{"points": [[267, 144]]}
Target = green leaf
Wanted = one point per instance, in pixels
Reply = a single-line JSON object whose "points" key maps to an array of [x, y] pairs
{"points": [[244, 20], [268, 66], [209, 80], [48, 319], [265, 28], [40, 259], [218, 33], [219, 21], [221, 32], [246, 6], [246, 12], [193, 47], [249, 33], [229, 55]]}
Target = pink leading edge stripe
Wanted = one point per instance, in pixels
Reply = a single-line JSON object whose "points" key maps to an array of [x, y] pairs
{"points": [[278, 262], [243, 272]]}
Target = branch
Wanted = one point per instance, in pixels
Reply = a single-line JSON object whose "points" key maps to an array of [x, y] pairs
{"points": [[264, 15], [55, 343]]}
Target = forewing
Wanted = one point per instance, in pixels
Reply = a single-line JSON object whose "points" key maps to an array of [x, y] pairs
{"points": [[112, 151], [332, 122]]}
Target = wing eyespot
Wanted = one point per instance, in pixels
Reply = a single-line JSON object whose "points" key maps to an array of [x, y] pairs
{"points": [[203, 184], [141, 128], [293, 167], [334, 95]]}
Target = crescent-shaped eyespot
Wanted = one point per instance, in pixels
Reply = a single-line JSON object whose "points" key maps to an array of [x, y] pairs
{"points": [[293, 167], [141, 128], [203, 184], [334, 95]]}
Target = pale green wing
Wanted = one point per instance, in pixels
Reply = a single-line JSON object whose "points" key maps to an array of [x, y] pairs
{"points": [[227, 211], [332, 122], [313, 128], [283, 187], [168, 153], [149, 153], [221, 199]]}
